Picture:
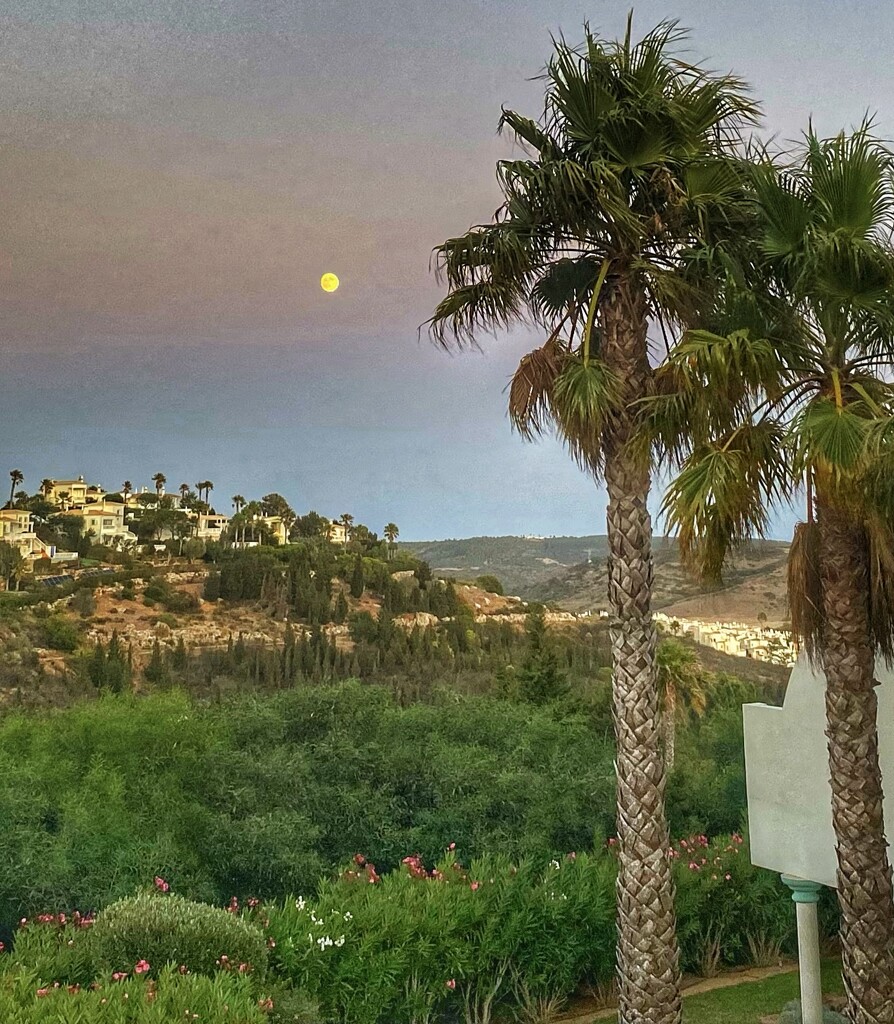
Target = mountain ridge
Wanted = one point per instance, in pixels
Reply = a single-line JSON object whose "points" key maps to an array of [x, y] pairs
{"points": [[571, 572]]}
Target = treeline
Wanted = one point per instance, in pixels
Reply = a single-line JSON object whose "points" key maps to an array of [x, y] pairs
{"points": [[493, 657], [296, 581], [261, 794]]}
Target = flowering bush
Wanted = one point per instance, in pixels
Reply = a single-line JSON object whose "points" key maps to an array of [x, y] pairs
{"points": [[224, 999], [409, 944], [158, 929], [728, 911], [55, 947]]}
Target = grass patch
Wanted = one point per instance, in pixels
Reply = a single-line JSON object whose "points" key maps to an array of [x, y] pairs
{"points": [[747, 1003]]}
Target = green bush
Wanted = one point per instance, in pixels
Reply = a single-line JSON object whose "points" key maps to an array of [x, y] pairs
{"points": [[170, 929], [416, 943], [55, 948], [728, 911], [59, 634], [491, 584], [225, 999]]}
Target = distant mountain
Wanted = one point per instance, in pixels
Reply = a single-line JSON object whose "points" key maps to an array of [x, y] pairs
{"points": [[571, 572]]}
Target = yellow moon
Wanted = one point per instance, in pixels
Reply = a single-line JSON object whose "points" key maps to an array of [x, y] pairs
{"points": [[329, 282]]}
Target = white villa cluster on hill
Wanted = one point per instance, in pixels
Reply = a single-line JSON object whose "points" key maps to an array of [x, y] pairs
{"points": [[110, 519], [737, 638]]}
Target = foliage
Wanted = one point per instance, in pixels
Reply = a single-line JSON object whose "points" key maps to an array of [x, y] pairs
{"points": [[224, 999], [163, 928], [416, 942], [491, 584], [60, 634]]}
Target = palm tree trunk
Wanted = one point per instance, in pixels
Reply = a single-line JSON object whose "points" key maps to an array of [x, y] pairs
{"points": [[864, 872], [647, 955], [669, 724]]}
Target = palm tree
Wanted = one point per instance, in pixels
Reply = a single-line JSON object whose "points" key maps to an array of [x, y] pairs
{"points": [[238, 503], [46, 485], [683, 687], [126, 491], [209, 487], [801, 390], [347, 521], [16, 476], [184, 492], [391, 534], [627, 170], [159, 480]]}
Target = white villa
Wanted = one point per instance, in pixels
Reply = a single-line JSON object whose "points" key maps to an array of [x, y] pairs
{"points": [[17, 528]]}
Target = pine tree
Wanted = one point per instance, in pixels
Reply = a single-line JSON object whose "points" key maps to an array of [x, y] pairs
{"points": [[540, 679], [357, 580], [96, 667], [340, 613], [179, 659], [156, 669]]}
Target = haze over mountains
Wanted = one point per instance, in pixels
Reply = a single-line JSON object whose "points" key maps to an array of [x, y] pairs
{"points": [[571, 572]]}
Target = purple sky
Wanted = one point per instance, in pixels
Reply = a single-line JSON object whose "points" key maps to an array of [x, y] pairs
{"points": [[175, 176]]}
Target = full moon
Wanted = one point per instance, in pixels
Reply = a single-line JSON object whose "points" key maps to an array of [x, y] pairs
{"points": [[328, 282]]}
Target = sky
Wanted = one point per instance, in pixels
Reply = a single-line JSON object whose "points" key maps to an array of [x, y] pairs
{"points": [[176, 175]]}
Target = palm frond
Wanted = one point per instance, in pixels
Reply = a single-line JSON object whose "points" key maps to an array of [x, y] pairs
{"points": [[805, 589], [531, 389], [721, 497]]}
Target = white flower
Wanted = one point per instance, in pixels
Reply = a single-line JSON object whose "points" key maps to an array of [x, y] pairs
{"points": [[554, 864]]}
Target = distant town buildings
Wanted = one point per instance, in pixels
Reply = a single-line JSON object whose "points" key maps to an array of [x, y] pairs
{"points": [[776, 646]]}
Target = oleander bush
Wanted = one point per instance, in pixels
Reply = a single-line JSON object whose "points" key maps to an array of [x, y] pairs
{"points": [[134, 999], [412, 944]]}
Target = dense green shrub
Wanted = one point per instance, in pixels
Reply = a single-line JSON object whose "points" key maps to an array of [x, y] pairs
{"points": [[224, 999], [415, 942], [55, 948], [60, 634], [728, 911], [260, 795], [490, 583], [170, 929]]}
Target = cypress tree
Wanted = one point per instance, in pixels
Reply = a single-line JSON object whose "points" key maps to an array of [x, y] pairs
{"points": [[357, 580]]}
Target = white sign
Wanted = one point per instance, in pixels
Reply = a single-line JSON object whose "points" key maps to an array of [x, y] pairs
{"points": [[787, 775]]}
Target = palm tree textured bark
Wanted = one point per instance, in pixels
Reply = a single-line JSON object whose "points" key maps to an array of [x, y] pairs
{"points": [[865, 892], [648, 954]]}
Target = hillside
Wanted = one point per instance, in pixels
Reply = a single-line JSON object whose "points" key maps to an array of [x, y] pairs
{"points": [[571, 572]]}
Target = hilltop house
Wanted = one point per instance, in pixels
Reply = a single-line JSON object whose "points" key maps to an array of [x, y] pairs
{"points": [[211, 526], [73, 492], [17, 528], [337, 533], [106, 522]]}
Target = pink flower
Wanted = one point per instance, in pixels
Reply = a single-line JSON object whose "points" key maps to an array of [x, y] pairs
{"points": [[141, 967], [119, 975], [183, 969], [451, 984], [266, 1004], [161, 884], [42, 992], [474, 886], [572, 855], [452, 846], [728, 877]]}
